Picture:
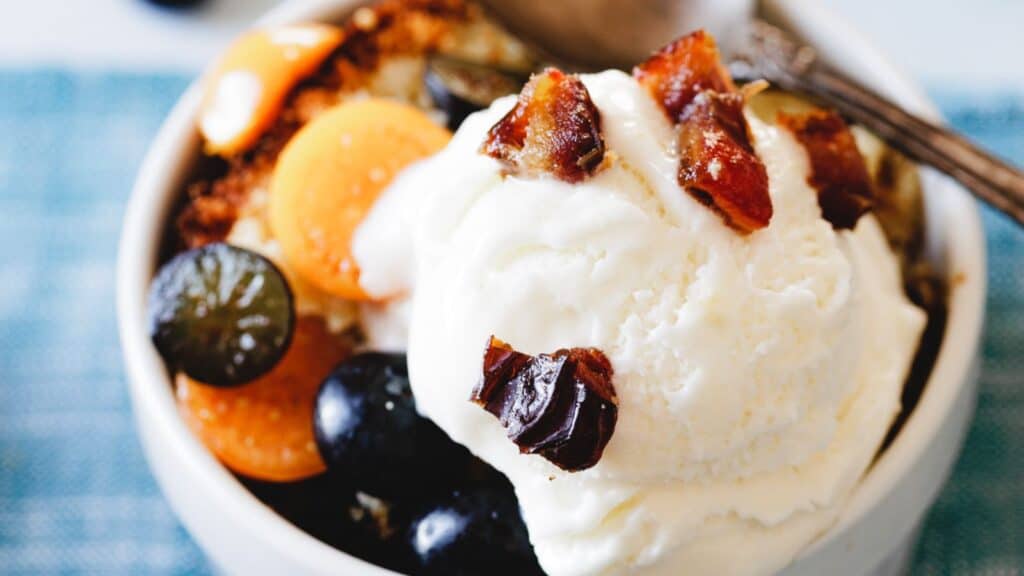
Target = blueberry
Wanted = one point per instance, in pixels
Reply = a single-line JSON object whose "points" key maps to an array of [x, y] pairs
{"points": [[478, 532], [221, 314], [460, 88], [369, 433], [176, 3], [337, 514]]}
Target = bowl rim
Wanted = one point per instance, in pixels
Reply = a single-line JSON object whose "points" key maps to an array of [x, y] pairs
{"points": [[170, 156], [961, 240]]}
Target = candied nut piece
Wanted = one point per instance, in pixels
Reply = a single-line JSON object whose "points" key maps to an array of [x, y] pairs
{"points": [[717, 164], [554, 129], [561, 406], [838, 171], [677, 73]]}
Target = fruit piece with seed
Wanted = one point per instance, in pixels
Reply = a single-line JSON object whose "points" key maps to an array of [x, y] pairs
{"points": [[264, 429], [221, 314], [479, 532], [369, 432], [330, 174]]}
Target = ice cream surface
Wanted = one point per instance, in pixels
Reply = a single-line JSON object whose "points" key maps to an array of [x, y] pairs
{"points": [[756, 374]]}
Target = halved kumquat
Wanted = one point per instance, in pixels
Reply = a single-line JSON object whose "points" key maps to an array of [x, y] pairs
{"points": [[264, 429], [246, 89], [330, 174]]}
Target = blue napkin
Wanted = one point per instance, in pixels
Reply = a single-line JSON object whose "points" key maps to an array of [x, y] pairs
{"points": [[977, 525], [76, 496]]}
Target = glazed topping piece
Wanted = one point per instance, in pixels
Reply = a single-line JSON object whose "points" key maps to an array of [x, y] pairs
{"points": [[221, 314], [561, 406], [838, 171], [677, 73], [330, 174], [264, 429], [717, 164], [247, 88], [553, 129]]}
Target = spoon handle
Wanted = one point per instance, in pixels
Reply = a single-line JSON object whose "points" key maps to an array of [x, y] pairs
{"points": [[794, 69]]}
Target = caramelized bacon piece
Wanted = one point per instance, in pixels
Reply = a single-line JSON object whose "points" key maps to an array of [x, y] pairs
{"points": [[717, 164], [677, 73], [838, 171], [561, 406], [554, 128]]}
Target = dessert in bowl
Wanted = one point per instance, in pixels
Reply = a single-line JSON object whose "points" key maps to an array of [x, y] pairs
{"points": [[665, 314]]}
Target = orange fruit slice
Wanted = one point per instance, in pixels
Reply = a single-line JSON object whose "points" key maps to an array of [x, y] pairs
{"points": [[247, 87], [264, 429], [329, 175]]}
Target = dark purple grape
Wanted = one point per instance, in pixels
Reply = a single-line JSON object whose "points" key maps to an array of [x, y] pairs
{"points": [[368, 431], [472, 533], [221, 314]]}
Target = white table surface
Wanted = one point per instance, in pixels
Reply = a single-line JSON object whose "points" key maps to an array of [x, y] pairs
{"points": [[969, 44]]}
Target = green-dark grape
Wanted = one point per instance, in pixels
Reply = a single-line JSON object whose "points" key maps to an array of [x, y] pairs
{"points": [[221, 314]]}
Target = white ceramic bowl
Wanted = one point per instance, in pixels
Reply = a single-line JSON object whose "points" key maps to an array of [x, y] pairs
{"points": [[875, 532]]}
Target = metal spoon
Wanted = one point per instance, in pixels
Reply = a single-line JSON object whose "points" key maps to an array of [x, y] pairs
{"points": [[757, 50]]}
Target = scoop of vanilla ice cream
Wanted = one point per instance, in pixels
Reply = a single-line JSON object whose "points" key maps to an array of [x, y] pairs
{"points": [[757, 375]]}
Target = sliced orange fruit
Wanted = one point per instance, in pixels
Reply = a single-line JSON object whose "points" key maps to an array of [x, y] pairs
{"points": [[264, 429], [329, 175], [246, 89]]}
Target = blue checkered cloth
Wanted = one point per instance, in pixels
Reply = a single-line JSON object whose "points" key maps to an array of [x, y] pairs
{"points": [[76, 496]]}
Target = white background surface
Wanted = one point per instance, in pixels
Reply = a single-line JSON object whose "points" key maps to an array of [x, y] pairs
{"points": [[969, 44]]}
